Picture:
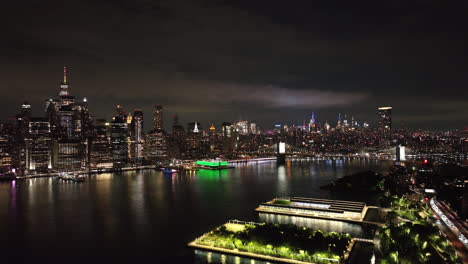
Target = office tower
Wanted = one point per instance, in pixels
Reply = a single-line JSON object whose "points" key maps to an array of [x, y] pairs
{"points": [[38, 146], [243, 127], [119, 138], [227, 129], [101, 148], [51, 116], [158, 118], [230, 137], [155, 147], [68, 154], [194, 139], [64, 84], [312, 123], [212, 140], [22, 119], [20, 135], [120, 113], [253, 128], [82, 123], [178, 136], [345, 121], [385, 118], [137, 137], [65, 117], [64, 93], [327, 126], [7, 147], [338, 124], [194, 128]]}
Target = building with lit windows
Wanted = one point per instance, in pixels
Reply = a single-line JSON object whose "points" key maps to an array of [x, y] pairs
{"points": [[68, 155], [243, 127], [38, 146], [311, 207], [155, 147], [158, 118], [136, 137], [385, 118], [119, 139], [101, 148]]}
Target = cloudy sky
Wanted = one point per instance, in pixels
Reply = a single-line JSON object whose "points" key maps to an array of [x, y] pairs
{"points": [[265, 61]]}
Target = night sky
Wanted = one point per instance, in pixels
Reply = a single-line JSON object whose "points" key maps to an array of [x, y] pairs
{"points": [[265, 61]]}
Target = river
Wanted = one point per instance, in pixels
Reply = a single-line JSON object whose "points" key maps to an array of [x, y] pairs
{"points": [[146, 215]]}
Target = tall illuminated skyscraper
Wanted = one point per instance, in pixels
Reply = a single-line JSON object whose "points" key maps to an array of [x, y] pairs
{"points": [[158, 117], [64, 94], [312, 123], [385, 118], [119, 136], [64, 84], [137, 137]]}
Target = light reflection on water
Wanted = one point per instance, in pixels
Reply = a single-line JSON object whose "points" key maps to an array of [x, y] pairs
{"points": [[202, 257], [355, 230], [123, 216]]}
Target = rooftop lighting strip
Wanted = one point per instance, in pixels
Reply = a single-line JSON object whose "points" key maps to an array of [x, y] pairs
{"points": [[449, 223]]}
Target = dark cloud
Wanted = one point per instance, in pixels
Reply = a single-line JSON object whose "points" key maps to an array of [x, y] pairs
{"points": [[266, 61]]}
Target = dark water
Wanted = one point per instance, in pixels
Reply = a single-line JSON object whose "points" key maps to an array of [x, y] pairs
{"points": [[148, 216]]}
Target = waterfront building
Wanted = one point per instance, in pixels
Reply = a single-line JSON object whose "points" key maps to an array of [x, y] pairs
{"points": [[155, 147], [178, 138], [119, 138], [101, 148], [136, 137], [38, 146], [312, 207], [68, 155], [6, 147]]}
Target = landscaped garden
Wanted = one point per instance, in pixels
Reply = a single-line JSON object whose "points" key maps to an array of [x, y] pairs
{"points": [[282, 241]]}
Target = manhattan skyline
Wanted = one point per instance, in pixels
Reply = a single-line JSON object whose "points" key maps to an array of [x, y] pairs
{"points": [[220, 61]]}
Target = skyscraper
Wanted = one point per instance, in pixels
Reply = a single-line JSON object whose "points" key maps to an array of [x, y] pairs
{"points": [[312, 123], [119, 135], [178, 136], [101, 148], [64, 94], [38, 146], [64, 84], [385, 118], [158, 117], [136, 136]]}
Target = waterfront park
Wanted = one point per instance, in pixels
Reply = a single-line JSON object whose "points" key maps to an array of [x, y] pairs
{"points": [[405, 232], [276, 242]]}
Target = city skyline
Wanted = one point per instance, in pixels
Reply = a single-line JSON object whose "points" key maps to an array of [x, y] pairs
{"points": [[275, 64], [340, 116]]}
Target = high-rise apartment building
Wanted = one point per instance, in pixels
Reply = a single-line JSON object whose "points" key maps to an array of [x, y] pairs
{"points": [[385, 118]]}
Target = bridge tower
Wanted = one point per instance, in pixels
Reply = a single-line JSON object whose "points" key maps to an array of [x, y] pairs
{"points": [[281, 153]]}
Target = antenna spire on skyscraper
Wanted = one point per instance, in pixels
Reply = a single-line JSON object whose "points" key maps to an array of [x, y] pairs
{"points": [[64, 74]]}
